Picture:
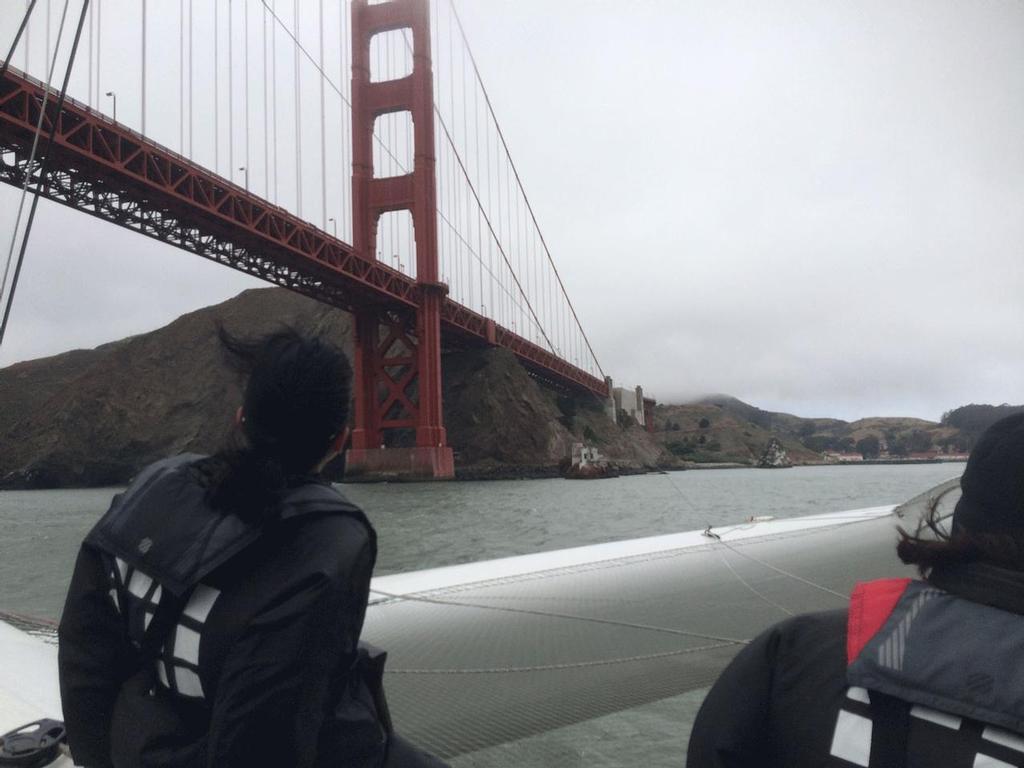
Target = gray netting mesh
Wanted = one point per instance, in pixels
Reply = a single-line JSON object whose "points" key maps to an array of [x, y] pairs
{"points": [[484, 671], [504, 660]]}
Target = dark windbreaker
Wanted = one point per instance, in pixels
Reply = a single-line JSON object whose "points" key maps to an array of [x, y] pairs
{"points": [[258, 627], [787, 700]]}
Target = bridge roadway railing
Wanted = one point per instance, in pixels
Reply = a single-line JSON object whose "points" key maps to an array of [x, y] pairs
{"points": [[112, 172]]}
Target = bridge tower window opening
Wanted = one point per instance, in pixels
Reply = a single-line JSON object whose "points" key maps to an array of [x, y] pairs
{"points": [[396, 241], [393, 153], [390, 55]]}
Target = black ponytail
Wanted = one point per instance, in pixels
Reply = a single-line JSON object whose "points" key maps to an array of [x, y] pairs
{"points": [[296, 403]]}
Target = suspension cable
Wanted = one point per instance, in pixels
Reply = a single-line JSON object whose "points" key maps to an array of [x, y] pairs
{"points": [[46, 157], [17, 38], [31, 161], [501, 135]]}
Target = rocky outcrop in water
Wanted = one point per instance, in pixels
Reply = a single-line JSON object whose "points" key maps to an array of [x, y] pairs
{"points": [[774, 456]]}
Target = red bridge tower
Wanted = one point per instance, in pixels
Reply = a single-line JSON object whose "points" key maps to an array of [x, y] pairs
{"points": [[397, 354]]}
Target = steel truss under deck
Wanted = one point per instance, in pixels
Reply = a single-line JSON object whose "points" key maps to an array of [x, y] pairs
{"points": [[109, 171]]}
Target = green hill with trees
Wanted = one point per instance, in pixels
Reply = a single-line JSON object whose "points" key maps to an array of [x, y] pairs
{"points": [[723, 429]]}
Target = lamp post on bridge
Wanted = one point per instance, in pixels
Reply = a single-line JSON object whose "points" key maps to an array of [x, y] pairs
{"points": [[113, 95], [245, 170], [334, 226]]}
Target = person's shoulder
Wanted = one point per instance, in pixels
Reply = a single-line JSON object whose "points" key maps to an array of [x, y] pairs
{"points": [[326, 525], [803, 635], [810, 650], [815, 623], [162, 470]]}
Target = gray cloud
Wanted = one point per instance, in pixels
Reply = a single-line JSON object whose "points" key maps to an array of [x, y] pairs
{"points": [[817, 207]]}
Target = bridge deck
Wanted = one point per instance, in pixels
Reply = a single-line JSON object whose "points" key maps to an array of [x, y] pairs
{"points": [[114, 173]]}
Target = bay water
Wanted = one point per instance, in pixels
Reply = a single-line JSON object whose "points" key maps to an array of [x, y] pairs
{"points": [[424, 525]]}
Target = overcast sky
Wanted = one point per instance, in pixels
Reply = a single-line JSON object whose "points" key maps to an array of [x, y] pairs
{"points": [[817, 207]]}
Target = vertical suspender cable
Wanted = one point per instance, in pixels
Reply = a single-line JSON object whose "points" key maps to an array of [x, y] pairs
{"points": [[465, 147], [91, 47], [216, 88], [231, 89], [92, 55], [323, 127], [298, 117], [99, 48], [266, 109], [344, 175], [273, 91], [181, 76], [245, 84], [342, 172], [143, 79], [30, 6], [46, 156], [529, 208], [479, 224], [47, 36], [28, 37], [191, 79]]}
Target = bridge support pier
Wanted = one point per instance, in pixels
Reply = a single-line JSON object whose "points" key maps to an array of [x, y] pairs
{"points": [[399, 433]]}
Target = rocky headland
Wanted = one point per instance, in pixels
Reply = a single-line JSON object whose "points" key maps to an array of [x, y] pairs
{"points": [[95, 417]]}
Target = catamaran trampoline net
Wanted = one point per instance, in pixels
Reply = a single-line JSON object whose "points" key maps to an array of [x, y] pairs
{"points": [[504, 660]]}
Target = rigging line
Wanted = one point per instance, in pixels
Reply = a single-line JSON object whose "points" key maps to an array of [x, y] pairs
{"points": [[711, 534], [555, 667], [751, 587], [783, 572], [17, 39], [31, 159], [42, 166], [418, 598], [529, 207]]}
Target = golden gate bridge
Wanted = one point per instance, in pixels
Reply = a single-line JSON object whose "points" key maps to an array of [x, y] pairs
{"points": [[313, 145]]}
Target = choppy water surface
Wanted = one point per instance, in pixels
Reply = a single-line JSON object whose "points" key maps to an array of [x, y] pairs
{"points": [[432, 524]]}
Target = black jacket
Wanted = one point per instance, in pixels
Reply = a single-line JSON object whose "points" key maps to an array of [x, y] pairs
{"points": [[785, 700], [191, 638]]}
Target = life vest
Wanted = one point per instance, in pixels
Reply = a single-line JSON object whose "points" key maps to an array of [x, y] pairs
{"points": [[160, 539], [917, 653]]}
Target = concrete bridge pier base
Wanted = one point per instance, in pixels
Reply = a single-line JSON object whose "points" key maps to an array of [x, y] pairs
{"points": [[416, 463]]}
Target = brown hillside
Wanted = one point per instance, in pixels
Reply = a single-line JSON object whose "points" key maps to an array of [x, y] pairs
{"points": [[96, 417]]}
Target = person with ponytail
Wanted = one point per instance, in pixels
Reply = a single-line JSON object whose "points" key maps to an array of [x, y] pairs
{"points": [[215, 610], [927, 673]]}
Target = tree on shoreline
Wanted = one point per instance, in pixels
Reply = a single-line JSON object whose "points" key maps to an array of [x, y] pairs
{"points": [[869, 447]]}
